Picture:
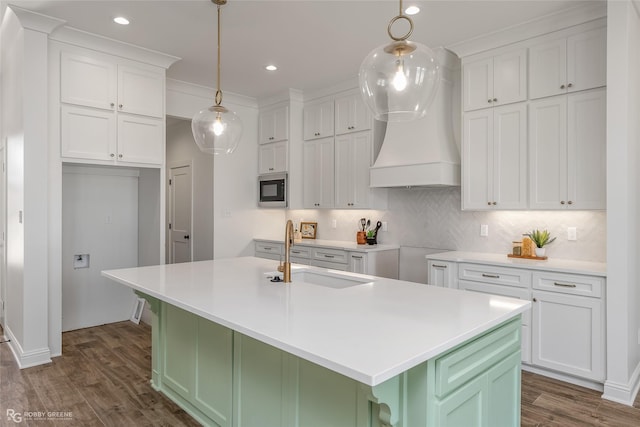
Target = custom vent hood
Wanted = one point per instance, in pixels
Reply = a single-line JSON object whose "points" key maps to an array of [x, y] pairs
{"points": [[423, 152]]}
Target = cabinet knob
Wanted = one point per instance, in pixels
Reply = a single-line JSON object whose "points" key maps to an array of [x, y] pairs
{"points": [[561, 86], [570, 85], [489, 101], [489, 203], [570, 202], [186, 237], [120, 156], [113, 105], [494, 203], [562, 202], [120, 106], [495, 99], [535, 300], [112, 155]]}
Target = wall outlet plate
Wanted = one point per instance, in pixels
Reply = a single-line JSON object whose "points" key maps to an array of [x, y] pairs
{"points": [[572, 233], [484, 230]]}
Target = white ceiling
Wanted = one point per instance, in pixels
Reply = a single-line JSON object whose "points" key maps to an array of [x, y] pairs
{"points": [[315, 43]]}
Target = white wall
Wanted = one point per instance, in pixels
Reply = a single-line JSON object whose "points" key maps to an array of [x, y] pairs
{"points": [[432, 218], [237, 219], [623, 202], [181, 147], [149, 217], [25, 115]]}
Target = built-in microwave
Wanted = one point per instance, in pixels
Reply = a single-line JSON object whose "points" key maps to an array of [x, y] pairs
{"points": [[273, 189]]}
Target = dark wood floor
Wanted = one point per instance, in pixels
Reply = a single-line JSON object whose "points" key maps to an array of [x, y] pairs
{"points": [[103, 380]]}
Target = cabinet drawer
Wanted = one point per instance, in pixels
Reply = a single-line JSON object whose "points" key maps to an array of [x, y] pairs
{"points": [[331, 255], [504, 291], [495, 275], [269, 248], [575, 284], [464, 363], [300, 252]]}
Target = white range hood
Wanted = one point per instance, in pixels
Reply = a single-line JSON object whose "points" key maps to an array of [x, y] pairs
{"points": [[423, 153]]}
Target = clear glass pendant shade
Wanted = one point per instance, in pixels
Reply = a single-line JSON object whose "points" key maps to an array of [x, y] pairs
{"points": [[216, 130], [399, 81]]}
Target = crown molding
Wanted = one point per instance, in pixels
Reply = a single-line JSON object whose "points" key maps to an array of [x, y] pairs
{"points": [[36, 21], [200, 91]]}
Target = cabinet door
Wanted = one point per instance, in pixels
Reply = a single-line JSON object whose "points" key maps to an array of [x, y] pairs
{"points": [[318, 120], [140, 139], [274, 125], [587, 60], [467, 406], [358, 263], [548, 68], [510, 157], [272, 157], [351, 114], [567, 334], [440, 273], [318, 179], [478, 84], [548, 153], [141, 90], [87, 133], [477, 160], [352, 162], [178, 350], [510, 77], [586, 145], [87, 81]]}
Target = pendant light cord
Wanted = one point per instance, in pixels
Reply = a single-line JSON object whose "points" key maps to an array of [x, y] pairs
{"points": [[218, 98], [401, 15]]}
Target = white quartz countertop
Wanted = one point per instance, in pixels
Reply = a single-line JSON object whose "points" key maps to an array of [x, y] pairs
{"points": [[551, 264], [370, 332], [336, 244]]}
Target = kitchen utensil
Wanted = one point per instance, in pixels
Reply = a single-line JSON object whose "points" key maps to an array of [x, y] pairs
{"points": [[368, 223], [363, 223], [378, 225]]}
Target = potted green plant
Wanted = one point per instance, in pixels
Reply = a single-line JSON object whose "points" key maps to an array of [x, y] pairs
{"points": [[372, 237], [541, 239]]}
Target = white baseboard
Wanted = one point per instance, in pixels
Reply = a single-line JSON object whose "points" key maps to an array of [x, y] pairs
{"points": [[623, 393], [594, 385], [26, 359]]}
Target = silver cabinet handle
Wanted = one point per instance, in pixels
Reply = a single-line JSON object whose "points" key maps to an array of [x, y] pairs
{"points": [[438, 266], [356, 257], [267, 248], [329, 256], [564, 285], [491, 276]]}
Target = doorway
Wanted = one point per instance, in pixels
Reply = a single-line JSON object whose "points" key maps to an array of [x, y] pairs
{"points": [[180, 210]]}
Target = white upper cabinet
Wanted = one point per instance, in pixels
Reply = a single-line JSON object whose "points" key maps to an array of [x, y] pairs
{"points": [[351, 114], [567, 151], [496, 80], [112, 110], [272, 157], [141, 90], [318, 120], [318, 175], [495, 158], [274, 125], [568, 64], [352, 162]]}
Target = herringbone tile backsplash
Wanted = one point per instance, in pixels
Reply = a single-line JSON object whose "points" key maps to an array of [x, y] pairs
{"points": [[432, 218]]}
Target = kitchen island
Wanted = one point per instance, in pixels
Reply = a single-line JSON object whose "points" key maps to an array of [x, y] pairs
{"points": [[330, 349]]}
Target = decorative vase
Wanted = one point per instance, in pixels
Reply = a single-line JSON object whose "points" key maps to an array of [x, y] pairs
{"points": [[540, 252]]}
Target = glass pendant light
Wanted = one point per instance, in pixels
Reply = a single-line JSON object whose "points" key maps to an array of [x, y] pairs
{"points": [[216, 129], [399, 80]]}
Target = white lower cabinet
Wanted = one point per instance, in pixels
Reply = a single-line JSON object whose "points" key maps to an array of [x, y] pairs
{"points": [[568, 328], [441, 274], [563, 333]]}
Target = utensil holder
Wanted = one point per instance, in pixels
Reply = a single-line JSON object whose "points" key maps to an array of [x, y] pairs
{"points": [[361, 237]]}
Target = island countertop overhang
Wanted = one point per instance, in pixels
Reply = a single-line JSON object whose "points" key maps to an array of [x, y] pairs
{"points": [[370, 332]]}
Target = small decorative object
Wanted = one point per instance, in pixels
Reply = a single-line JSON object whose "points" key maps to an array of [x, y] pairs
{"points": [[371, 237], [541, 239], [361, 237], [308, 230], [517, 248], [526, 246]]}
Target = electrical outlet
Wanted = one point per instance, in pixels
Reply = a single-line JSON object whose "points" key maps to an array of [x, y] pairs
{"points": [[384, 226], [572, 233], [484, 230], [226, 213], [334, 223]]}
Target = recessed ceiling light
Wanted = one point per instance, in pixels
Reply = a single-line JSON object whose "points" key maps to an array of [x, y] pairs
{"points": [[121, 20], [271, 67], [412, 10]]}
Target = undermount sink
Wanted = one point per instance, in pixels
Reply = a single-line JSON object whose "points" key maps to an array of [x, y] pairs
{"points": [[327, 279]]}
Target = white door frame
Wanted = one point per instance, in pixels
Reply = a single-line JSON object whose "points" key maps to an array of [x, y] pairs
{"points": [[170, 167]]}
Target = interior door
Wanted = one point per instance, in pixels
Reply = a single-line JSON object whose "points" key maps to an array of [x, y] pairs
{"points": [[180, 194]]}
